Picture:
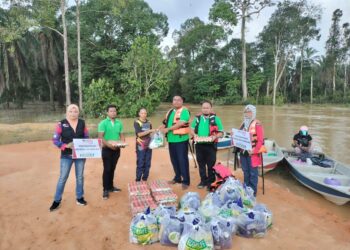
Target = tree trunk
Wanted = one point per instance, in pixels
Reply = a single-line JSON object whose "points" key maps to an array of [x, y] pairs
{"points": [[244, 60], [301, 73], [333, 79], [60, 87], [278, 76], [65, 51], [311, 87], [275, 81], [285, 87], [345, 81], [51, 90], [268, 88], [79, 59]]}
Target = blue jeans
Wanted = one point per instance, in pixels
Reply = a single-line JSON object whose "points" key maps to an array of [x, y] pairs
{"points": [[65, 166], [250, 174], [144, 157]]}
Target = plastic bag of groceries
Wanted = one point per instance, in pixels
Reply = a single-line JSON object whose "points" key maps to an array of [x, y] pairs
{"points": [[143, 229], [189, 214], [210, 206], [157, 140], [222, 231], [196, 236], [161, 211], [215, 199], [190, 200], [268, 214], [252, 224], [231, 190], [171, 229], [249, 199], [237, 208]]}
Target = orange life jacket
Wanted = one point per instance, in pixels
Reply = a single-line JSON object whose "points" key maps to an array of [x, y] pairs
{"points": [[184, 129], [254, 136]]}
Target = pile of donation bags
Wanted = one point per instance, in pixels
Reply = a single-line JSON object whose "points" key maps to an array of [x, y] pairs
{"points": [[209, 224]]}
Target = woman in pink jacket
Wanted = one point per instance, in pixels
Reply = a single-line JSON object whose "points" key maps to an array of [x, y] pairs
{"points": [[251, 159]]}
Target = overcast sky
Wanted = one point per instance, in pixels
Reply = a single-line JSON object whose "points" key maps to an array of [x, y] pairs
{"points": [[178, 11]]}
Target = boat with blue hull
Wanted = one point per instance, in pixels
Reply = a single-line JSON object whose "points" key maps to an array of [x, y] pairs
{"points": [[224, 142], [332, 180]]}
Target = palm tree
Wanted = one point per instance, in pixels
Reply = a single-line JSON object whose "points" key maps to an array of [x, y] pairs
{"points": [[311, 61], [49, 54], [14, 70]]}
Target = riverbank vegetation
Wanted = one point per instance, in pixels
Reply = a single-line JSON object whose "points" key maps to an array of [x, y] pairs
{"points": [[95, 52]]}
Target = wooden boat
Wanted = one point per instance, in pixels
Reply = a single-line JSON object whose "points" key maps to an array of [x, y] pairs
{"points": [[332, 181]]}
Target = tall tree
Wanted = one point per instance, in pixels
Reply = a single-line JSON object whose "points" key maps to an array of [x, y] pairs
{"points": [[345, 55], [333, 44], [65, 52], [229, 11], [280, 38], [14, 35], [307, 27], [48, 58], [311, 60], [197, 53], [77, 2], [45, 13], [110, 28], [146, 78]]}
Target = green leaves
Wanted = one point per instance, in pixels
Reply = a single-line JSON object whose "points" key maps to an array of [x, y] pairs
{"points": [[97, 96], [146, 78], [222, 12]]}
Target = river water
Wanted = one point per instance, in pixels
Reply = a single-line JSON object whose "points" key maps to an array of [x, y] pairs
{"points": [[329, 126]]}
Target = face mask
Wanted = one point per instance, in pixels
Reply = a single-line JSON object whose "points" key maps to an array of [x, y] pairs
{"points": [[303, 132], [247, 122]]}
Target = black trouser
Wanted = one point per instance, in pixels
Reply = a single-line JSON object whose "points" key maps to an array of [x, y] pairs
{"points": [[110, 158], [206, 157], [179, 159]]}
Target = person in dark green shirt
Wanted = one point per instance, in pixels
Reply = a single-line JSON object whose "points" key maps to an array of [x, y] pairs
{"points": [[206, 128], [176, 126], [110, 130]]}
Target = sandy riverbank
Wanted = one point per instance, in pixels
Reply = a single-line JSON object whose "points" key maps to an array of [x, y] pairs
{"points": [[28, 176]]}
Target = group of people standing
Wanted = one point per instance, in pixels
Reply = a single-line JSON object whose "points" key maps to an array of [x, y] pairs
{"points": [[178, 130]]}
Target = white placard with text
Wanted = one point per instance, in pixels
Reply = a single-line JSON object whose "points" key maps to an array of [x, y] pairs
{"points": [[86, 148], [241, 139]]}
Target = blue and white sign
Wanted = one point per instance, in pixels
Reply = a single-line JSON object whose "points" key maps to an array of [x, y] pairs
{"points": [[241, 139], [86, 148]]}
